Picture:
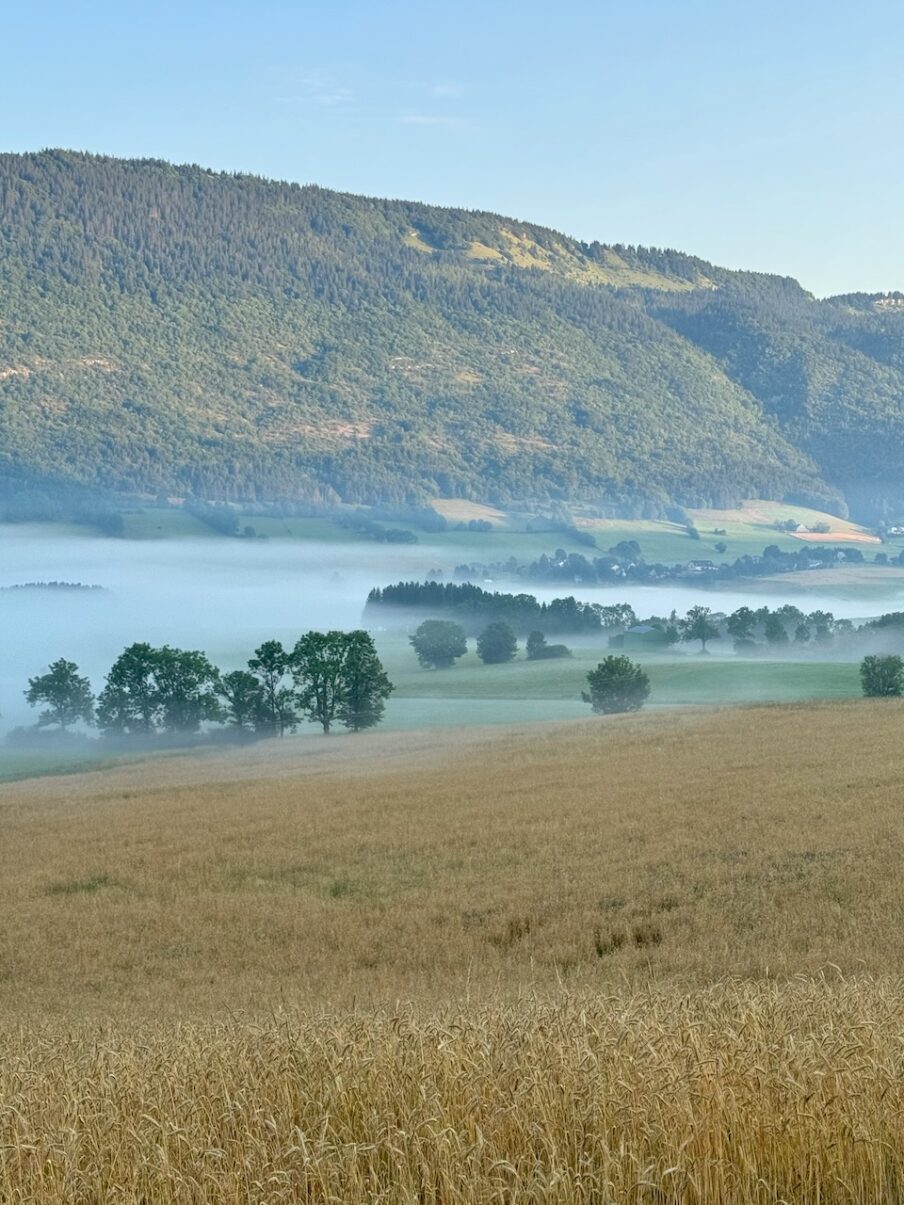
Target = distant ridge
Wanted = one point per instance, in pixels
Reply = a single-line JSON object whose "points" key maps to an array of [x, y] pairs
{"points": [[174, 330]]}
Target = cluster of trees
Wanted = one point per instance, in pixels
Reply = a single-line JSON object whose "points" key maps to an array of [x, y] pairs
{"points": [[539, 650], [218, 517], [473, 607], [183, 302], [783, 629], [617, 684], [751, 630], [624, 562], [369, 530], [439, 643], [328, 678], [53, 588], [27, 496], [784, 625]]}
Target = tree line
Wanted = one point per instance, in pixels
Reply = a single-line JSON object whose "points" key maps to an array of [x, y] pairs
{"points": [[751, 630], [625, 562], [473, 607], [327, 678]]}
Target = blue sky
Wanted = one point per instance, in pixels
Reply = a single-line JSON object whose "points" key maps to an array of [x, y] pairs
{"points": [[762, 135]]}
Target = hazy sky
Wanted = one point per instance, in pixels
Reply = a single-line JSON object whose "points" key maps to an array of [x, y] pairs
{"points": [[765, 135]]}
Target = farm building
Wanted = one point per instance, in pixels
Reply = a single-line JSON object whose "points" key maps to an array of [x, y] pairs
{"points": [[643, 636]]}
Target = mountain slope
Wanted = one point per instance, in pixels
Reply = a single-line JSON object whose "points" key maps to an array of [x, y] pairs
{"points": [[173, 329]]}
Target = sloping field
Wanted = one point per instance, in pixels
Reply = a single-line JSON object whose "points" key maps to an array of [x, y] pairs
{"points": [[460, 510], [760, 512], [836, 537], [756, 520], [756, 841], [649, 959]]}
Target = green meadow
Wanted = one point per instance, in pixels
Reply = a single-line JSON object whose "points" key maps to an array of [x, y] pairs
{"points": [[676, 680], [744, 531], [30, 763]]}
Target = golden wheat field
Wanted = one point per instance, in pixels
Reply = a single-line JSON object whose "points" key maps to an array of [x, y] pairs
{"points": [[656, 959]]}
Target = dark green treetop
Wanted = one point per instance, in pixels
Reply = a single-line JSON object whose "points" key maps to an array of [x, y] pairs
{"points": [[439, 643], [67, 694], [496, 643], [617, 684]]}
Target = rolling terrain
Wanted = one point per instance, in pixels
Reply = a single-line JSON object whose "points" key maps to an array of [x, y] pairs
{"points": [[408, 866], [496, 950], [169, 330], [632, 959]]}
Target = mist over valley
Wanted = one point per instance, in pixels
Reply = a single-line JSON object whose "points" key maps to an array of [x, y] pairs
{"points": [[225, 597], [451, 663]]}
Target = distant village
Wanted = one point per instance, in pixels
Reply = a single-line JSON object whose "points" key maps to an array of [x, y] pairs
{"points": [[625, 562]]}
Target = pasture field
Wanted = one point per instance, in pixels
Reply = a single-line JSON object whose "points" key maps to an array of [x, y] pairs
{"points": [[747, 530], [29, 763], [649, 959], [162, 523], [756, 518], [677, 679], [875, 585]]}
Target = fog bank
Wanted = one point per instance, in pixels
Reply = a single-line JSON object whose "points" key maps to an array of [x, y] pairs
{"points": [[226, 596]]}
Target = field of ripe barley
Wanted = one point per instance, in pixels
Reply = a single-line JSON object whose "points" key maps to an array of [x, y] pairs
{"points": [[655, 958], [741, 1093]]}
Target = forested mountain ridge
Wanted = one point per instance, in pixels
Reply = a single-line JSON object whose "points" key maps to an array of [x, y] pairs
{"points": [[170, 329]]}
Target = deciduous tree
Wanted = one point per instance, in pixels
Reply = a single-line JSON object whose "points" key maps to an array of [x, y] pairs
{"points": [[186, 690], [882, 677], [67, 695], [617, 684], [270, 665], [365, 686], [439, 643], [244, 697], [496, 643], [128, 703], [697, 625]]}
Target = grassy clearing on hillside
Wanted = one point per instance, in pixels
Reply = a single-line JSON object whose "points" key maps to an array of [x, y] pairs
{"points": [[460, 510], [761, 514], [464, 968], [747, 531], [161, 523], [300, 528]]}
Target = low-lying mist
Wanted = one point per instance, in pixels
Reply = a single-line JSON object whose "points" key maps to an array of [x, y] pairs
{"points": [[226, 596]]}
